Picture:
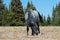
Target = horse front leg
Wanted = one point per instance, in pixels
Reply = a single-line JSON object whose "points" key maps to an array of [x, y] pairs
{"points": [[32, 30], [27, 30]]}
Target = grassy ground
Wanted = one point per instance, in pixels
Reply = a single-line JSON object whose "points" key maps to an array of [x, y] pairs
{"points": [[19, 33]]}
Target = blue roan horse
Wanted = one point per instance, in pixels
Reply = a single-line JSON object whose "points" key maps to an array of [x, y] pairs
{"points": [[32, 19]]}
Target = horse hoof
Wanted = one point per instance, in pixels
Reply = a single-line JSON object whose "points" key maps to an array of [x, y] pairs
{"points": [[36, 33], [32, 34]]}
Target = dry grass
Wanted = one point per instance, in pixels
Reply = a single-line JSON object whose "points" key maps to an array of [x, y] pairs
{"points": [[19, 33]]}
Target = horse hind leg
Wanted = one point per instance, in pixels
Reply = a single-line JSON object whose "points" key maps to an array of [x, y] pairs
{"points": [[38, 28], [27, 30], [32, 30]]}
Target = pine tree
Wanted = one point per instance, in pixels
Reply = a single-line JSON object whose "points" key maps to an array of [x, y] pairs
{"points": [[10, 18], [56, 15], [17, 8], [2, 14], [44, 19], [30, 6], [53, 16], [48, 20]]}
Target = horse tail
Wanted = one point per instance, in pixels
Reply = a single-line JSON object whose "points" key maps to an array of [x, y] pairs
{"points": [[40, 17]]}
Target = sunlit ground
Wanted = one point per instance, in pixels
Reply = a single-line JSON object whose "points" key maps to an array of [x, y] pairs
{"points": [[19, 33]]}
